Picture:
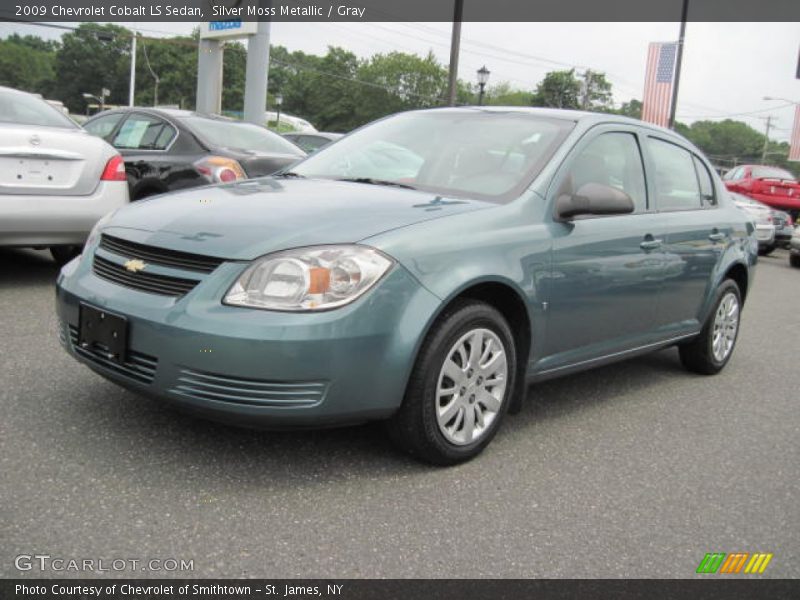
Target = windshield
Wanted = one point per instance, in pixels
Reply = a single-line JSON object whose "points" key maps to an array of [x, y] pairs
{"points": [[489, 155], [26, 109], [771, 173], [240, 136]]}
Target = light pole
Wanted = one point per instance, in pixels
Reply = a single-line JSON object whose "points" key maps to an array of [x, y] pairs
{"points": [[483, 79], [278, 103], [101, 99]]}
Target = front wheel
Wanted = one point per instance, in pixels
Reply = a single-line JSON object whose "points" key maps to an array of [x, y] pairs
{"points": [[460, 387], [710, 351]]}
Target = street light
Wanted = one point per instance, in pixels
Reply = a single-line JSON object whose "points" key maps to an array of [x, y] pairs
{"points": [[483, 79], [772, 98], [278, 103], [101, 99]]}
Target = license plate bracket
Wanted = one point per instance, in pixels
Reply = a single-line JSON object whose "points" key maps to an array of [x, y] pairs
{"points": [[103, 333]]}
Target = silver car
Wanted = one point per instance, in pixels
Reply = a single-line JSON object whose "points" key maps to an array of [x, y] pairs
{"points": [[763, 218], [56, 180]]}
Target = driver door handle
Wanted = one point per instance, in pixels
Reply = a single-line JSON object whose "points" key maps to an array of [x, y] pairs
{"points": [[716, 236], [651, 243]]}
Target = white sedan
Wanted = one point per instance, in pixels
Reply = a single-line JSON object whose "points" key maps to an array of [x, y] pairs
{"points": [[56, 180]]}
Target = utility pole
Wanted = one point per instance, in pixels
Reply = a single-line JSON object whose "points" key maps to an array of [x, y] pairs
{"points": [[766, 139], [678, 60], [455, 45], [132, 85]]}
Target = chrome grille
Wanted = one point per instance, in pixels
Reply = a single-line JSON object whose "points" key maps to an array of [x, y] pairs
{"points": [[138, 366], [209, 386], [160, 256], [146, 282]]}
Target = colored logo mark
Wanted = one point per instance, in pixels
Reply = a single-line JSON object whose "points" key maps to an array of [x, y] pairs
{"points": [[736, 562]]}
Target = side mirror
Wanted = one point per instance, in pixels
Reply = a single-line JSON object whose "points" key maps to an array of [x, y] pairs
{"points": [[593, 199]]}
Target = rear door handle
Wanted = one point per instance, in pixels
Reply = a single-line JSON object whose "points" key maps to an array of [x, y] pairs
{"points": [[651, 244]]}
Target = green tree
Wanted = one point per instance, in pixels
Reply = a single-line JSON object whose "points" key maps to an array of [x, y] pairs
{"points": [[26, 63], [595, 92], [502, 94], [631, 109], [558, 89], [90, 58]]}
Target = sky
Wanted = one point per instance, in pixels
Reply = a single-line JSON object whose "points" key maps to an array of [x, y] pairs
{"points": [[728, 68]]}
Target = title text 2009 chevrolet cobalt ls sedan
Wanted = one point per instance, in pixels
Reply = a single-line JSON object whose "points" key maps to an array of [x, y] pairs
{"points": [[422, 270]]}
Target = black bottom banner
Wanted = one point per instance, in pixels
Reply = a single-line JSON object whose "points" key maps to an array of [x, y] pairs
{"points": [[390, 589]]}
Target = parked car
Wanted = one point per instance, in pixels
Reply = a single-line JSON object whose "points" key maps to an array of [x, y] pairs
{"points": [[311, 142], [784, 227], [55, 180], [504, 246], [773, 186], [762, 218], [167, 149], [794, 248], [296, 123]]}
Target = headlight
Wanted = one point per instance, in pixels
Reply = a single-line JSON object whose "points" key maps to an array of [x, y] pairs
{"points": [[314, 278]]}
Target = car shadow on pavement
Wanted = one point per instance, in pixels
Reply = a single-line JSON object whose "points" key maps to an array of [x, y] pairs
{"points": [[23, 266], [180, 445]]}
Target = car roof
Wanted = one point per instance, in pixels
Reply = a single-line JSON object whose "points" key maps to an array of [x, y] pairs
{"points": [[172, 113]]}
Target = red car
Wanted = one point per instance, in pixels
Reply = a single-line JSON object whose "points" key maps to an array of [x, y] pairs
{"points": [[773, 186]]}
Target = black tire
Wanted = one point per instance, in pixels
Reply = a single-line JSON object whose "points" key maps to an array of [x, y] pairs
{"points": [[794, 260], [698, 355], [766, 250], [414, 426], [63, 254]]}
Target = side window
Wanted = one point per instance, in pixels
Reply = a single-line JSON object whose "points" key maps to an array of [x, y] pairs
{"points": [[103, 126], [143, 132], [611, 159], [677, 187], [706, 183]]}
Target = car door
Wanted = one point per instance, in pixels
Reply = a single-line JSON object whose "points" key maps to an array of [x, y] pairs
{"points": [[607, 271], [144, 140], [686, 198]]}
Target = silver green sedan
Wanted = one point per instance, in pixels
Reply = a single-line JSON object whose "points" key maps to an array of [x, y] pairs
{"points": [[421, 271]]}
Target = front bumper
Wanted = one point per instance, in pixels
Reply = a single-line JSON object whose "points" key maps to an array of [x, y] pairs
{"points": [[57, 220], [255, 367]]}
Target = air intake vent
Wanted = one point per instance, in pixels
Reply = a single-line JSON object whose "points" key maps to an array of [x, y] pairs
{"points": [[145, 282], [160, 256], [137, 366]]}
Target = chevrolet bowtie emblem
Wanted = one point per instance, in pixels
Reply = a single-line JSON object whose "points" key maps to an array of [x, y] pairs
{"points": [[135, 265]]}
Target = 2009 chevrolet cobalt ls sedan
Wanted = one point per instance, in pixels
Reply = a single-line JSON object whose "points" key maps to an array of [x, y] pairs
{"points": [[422, 270]]}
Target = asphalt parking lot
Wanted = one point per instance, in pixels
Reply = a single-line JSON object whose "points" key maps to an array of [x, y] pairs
{"points": [[633, 470]]}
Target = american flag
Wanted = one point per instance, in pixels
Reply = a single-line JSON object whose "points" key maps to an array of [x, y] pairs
{"points": [[794, 150], [658, 82]]}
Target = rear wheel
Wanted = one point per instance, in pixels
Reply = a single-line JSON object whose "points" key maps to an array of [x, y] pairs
{"points": [[709, 352], [460, 387], [63, 254], [794, 260]]}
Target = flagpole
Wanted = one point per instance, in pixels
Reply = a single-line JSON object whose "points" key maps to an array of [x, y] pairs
{"points": [[678, 60]]}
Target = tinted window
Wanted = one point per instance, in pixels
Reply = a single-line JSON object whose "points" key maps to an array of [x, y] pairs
{"points": [[103, 126], [611, 159], [451, 152], [676, 182], [26, 109], [236, 135], [771, 173], [706, 182], [143, 132]]}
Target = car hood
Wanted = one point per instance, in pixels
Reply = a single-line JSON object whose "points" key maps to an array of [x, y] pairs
{"points": [[251, 218]]}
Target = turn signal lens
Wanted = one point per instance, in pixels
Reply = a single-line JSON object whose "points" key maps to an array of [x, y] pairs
{"points": [[315, 278], [218, 169]]}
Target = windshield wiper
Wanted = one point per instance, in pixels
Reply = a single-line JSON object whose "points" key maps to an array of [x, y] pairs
{"points": [[371, 181]]}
